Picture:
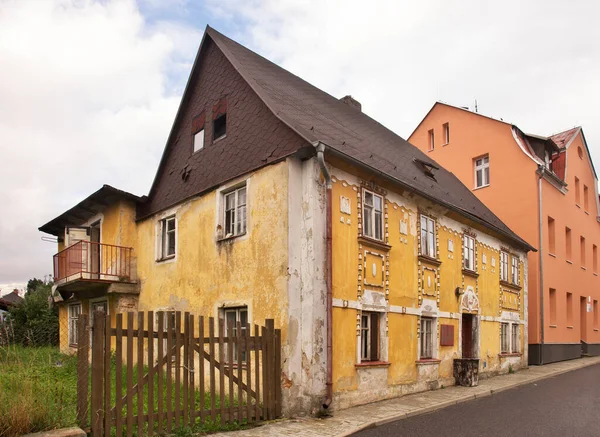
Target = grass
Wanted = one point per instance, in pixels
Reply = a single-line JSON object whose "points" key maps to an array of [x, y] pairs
{"points": [[38, 392]]}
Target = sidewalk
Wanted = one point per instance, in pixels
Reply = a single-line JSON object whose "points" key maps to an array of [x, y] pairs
{"points": [[351, 420]]}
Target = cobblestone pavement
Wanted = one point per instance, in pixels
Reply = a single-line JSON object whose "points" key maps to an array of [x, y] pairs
{"points": [[351, 420]]}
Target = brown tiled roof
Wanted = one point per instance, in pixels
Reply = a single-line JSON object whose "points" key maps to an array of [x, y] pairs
{"points": [[318, 116], [562, 139]]}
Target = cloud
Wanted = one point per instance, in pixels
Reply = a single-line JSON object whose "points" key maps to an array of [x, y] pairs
{"points": [[89, 92], [534, 63]]}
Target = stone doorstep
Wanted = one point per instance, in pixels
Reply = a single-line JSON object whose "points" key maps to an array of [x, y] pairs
{"points": [[64, 432]]}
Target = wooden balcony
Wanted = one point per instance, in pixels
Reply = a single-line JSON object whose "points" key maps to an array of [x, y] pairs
{"points": [[91, 266]]}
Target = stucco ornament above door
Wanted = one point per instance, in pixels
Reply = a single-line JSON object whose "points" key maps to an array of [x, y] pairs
{"points": [[469, 301]]}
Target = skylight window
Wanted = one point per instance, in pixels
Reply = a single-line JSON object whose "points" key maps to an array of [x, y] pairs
{"points": [[427, 167]]}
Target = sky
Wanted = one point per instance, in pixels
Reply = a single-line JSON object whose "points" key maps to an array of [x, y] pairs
{"points": [[89, 89]]}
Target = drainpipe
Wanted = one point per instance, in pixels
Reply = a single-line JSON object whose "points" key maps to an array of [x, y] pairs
{"points": [[541, 171], [321, 159]]}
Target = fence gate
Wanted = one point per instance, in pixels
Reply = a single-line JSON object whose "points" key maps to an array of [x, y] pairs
{"points": [[159, 371]]}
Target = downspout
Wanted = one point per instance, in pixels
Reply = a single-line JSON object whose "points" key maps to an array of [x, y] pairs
{"points": [[541, 171], [329, 384]]}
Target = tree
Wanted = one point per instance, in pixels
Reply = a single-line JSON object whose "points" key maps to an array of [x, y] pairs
{"points": [[34, 321]]}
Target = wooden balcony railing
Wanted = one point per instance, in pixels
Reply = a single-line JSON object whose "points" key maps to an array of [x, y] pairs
{"points": [[93, 261]]}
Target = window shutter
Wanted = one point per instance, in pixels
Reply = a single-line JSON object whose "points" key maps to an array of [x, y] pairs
{"points": [[198, 122], [374, 336], [220, 108]]}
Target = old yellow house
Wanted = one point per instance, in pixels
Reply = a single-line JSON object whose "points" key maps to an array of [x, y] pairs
{"points": [[275, 200]]}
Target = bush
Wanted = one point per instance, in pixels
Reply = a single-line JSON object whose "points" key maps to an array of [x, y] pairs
{"points": [[34, 322]]}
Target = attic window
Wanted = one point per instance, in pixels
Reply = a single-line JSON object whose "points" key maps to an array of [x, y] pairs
{"points": [[220, 127], [427, 167]]}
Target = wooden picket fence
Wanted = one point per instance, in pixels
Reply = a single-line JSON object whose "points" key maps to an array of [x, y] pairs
{"points": [[165, 371]]}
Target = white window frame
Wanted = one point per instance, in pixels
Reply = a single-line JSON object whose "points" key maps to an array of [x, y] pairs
{"points": [[469, 252], [446, 128], [372, 216], [74, 313], [505, 338], [199, 140], [504, 266], [237, 312], [428, 236], [427, 338], [482, 164], [162, 238], [239, 208], [431, 140], [514, 338], [514, 270]]}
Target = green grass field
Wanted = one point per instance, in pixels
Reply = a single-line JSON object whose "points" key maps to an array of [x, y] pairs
{"points": [[38, 392]]}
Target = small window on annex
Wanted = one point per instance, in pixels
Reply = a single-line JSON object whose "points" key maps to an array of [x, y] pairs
{"points": [[482, 171], [431, 140], [167, 240], [235, 212], [446, 133], [372, 226], [369, 336]]}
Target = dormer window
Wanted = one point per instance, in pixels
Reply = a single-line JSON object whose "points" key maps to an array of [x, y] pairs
{"points": [[427, 167], [220, 127]]}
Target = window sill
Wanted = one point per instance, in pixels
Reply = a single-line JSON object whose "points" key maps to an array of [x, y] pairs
{"points": [[577, 205], [510, 285], [229, 238], [552, 255], [569, 261], [222, 137], [596, 329], [509, 354], [587, 212], [364, 364], [166, 258], [374, 243], [445, 144], [553, 326], [569, 327], [595, 274], [427, 361], [430, 260], [471, 273], [583, 268], [479, 188]]}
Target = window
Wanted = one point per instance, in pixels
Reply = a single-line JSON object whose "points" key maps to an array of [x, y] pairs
{"points": [[568, 243], [469, 252], [372, 215], [514, 270], [585, 198], [504, 266], [504, 338], [167, 238], [97, 306], [235, 212], [595, 314], [570, 309], [427, 236], [431, 141], [446, 133], [220, 126], [553, 306], [232, 316], [482, 172], [74, 312], [595, 258], [199, 140], [551, 236], [577, 193], [582, 247], [369, 336], [514, 338], [426, 338]]}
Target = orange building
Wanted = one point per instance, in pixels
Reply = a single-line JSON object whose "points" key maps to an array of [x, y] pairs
{"points": [[546, 190]]}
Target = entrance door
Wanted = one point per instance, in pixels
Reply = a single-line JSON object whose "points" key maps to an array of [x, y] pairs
{"points": [[468, 336], [95, 250]]}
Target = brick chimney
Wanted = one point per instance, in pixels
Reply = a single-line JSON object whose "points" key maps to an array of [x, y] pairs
{"points": [[350, 101]]}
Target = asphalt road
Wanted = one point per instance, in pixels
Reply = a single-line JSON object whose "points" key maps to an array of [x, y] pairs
{"points": [[566, 405]]}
